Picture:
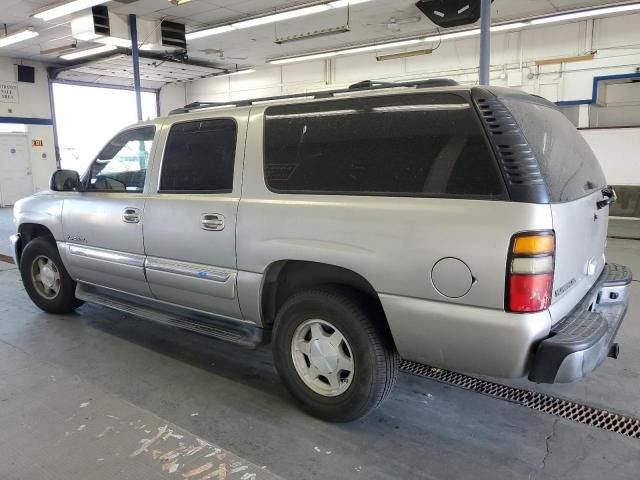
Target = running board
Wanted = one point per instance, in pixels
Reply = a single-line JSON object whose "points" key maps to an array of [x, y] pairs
{"points": [[239, 333]]}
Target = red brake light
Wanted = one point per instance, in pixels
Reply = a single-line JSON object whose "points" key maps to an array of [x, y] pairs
{"points": [[530, 272], [530, 293]]}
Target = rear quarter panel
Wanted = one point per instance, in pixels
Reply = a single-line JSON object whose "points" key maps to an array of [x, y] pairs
{"points": [[393, 242]]}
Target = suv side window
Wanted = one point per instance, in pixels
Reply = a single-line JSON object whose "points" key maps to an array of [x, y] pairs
{"points": [[428, 144], [199, 157], [121, 166]]}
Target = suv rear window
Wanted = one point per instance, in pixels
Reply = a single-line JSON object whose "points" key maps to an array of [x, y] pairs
{"points": [[570, 168], [401, 145]]}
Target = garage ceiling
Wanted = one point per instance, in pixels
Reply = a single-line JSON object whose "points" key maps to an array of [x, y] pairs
{"points": [[117, 70], [247, 47]]}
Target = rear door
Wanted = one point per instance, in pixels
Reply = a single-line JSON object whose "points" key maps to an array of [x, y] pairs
{"points": [[190, 222], [575, 181]]}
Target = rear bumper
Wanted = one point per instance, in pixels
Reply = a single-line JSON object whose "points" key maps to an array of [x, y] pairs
{"points": [[580, 342]]}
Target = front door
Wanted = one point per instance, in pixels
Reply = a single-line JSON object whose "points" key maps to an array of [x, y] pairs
{"points": [[190, 224], [15, 169], [102, 225]]}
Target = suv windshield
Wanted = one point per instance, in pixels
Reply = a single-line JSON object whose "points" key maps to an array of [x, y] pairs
{"points": [[570, 168]]}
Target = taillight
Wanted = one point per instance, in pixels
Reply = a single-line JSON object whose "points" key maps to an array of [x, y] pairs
{"points": [[530, 271]]}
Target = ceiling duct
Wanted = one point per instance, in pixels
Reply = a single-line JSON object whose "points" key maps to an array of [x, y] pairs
{"points": [[99, 25]]}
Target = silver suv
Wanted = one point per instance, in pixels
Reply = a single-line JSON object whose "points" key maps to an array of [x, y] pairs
{"points": [[460, 227]]}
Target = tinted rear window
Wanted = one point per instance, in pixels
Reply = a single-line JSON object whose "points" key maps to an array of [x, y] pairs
{"points": [[570, 168], [199, 157], [418, 145]]}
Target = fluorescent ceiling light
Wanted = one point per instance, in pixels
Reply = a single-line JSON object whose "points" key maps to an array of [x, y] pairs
{"points": [[89, 52], [475, 31], [20, 36], [239, 72], [383, 46], [275, 17], [509, 26], [586, 14], [61, 9], [410, 53], [278, 17], [208, 32], [345, 3], [304, 58], [461, 34]]}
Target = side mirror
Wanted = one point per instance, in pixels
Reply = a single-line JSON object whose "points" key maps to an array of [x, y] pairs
{"points": [[65, 181]]}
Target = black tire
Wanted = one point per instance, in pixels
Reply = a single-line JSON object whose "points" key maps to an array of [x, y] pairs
{"points": [[64, 301], [375, 358]]}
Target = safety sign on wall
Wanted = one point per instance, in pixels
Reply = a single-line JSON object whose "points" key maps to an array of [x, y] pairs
{"points": [[8, 92]]}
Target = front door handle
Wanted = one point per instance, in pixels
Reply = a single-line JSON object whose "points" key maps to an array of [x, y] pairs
{"points": [[131, 215], [212, 221]]}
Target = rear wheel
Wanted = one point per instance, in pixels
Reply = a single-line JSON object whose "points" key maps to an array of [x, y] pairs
{"points": [[45, 279], [333, 355]]}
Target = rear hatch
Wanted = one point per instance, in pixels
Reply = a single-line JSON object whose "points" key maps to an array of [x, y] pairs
{"points": [[575, 182]]}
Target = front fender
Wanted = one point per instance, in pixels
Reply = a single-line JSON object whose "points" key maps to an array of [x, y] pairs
{"points": [[41, 209]]}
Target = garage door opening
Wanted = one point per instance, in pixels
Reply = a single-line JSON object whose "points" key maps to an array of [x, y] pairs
{"points": [[88, 117]]}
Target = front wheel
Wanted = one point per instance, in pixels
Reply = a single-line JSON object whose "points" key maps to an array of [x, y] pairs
{"points": [[333, 354], [45, 279]]}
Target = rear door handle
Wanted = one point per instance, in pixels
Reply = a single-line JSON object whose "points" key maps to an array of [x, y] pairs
{"points": [[131, 215], [212, 221]]}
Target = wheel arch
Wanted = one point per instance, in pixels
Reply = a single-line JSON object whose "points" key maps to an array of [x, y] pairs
{"points": [[29, 232], [284, 278]]}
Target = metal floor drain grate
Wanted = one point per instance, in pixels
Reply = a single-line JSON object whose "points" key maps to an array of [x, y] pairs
{"points": [[577, 412]]}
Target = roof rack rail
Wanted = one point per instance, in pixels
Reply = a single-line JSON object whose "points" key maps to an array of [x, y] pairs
{"points": [[360, 86]]}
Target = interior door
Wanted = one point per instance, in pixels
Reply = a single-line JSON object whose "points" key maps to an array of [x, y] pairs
{"points": [[102, 225], [190, 223], [15, 169]]}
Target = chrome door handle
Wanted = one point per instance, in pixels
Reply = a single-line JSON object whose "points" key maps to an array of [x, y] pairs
{"points": [[131, 215], [212, 221]]}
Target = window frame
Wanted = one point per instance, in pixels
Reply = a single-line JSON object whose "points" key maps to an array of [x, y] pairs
{"points": [[86, 179], [502, 196], [196, 192]]}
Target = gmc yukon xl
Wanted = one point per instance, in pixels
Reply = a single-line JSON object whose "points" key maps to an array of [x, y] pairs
{"points": [[464, 228]]}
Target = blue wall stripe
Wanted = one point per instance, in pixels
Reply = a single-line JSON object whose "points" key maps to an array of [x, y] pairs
{"points": [[594, 90], [27, 120]]}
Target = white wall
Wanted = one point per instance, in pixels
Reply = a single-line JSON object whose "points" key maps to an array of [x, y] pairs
{"points": [[618, 150], [513, 55], [33, 102], [172, 96], [512, 59]]}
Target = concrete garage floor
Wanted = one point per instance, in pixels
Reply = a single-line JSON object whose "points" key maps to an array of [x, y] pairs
{"points": [[103, 395]]}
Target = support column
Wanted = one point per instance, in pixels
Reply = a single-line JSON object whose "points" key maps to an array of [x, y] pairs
{"points": [[135, 55], [485, 41]]}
